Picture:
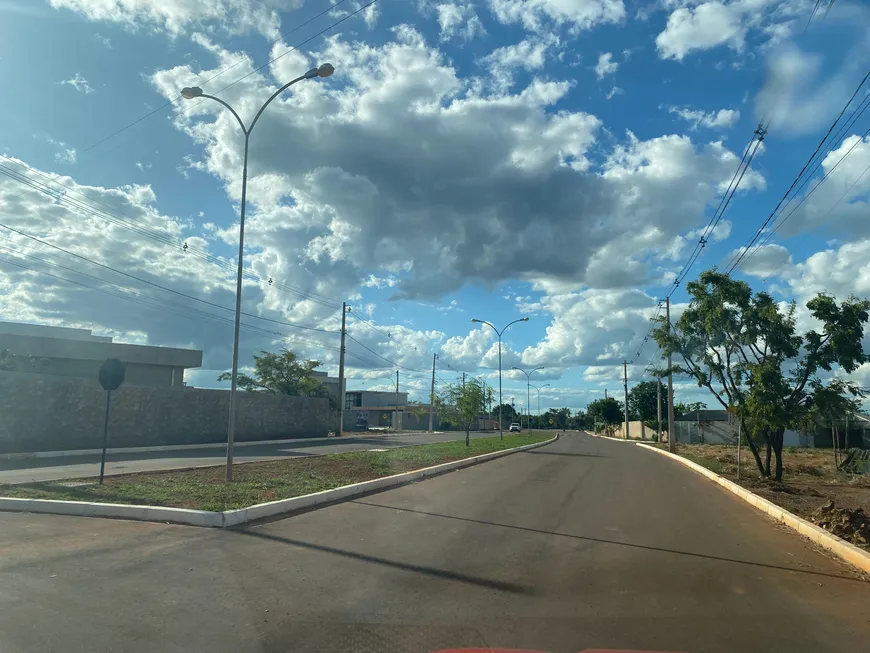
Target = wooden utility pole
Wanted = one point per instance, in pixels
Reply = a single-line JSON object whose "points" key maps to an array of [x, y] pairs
{"points": [[625, 389], [432, 396], [671, 434], [341, 395]]}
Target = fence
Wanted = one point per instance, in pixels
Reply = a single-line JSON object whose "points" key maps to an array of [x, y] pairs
{"points": [[45, 413]]}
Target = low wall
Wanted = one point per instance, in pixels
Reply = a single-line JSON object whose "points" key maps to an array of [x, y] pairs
{"points": [[44, 413]]}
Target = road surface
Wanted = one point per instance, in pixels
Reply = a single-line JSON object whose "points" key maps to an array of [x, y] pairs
{"points": [[583, 543], [62, 467]]}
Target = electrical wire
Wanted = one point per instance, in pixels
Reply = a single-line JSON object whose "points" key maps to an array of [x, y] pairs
{"points": [[156, 285], [293, 48], [68, 202], [744, 252]]}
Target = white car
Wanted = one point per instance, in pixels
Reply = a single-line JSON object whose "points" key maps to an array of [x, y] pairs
{"points": [[515, 428]]}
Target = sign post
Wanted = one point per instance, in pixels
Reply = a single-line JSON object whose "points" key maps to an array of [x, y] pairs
{"points": [[112, 374]]}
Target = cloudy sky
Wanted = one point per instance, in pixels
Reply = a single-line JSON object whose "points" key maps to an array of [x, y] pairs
{"points": [[494, 159]]}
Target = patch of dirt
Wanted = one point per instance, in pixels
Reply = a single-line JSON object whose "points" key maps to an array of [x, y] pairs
{"points": [[852, 525]]}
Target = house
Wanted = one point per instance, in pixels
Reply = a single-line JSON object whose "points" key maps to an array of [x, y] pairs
{"points": [[61, 351]]}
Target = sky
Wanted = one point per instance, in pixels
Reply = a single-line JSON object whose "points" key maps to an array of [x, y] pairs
{"points": [[497, 159]]}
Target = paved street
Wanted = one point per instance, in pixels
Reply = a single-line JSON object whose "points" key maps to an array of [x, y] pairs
{"points": [[583, 543], [51, 469]]}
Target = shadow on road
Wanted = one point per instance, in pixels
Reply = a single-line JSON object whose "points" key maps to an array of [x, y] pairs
{"points": [[564, 453], [614, 542], [514, 588]]}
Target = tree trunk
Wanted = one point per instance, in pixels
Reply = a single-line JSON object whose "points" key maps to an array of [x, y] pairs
{"points": [[755, 454], [466, 436], [767, 454], [777, 438]]}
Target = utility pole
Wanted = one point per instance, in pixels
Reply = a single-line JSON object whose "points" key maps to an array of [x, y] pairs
{"points": [[671, 433], [605, 394], [341, 394], [397, 423], [625, 389], [659, 406], [432, 396], [463, 380]]}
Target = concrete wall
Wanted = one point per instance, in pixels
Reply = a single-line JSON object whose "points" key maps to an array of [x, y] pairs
{"points": [[45, 413], [636, 431]]}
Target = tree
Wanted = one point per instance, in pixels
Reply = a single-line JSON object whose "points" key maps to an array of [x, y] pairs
{"points": [[10, 362], [681, 409], [508, 414], [605, 410], [283, 374], [464, 404], [642, 401], [746, 351]]}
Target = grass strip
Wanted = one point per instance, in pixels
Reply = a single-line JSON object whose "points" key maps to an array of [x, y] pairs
{"points": [[259, 482]]}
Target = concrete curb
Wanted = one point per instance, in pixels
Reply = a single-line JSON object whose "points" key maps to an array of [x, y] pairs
{"points": [[234, 517], [607, 437], [836, 545], [187, 447]]}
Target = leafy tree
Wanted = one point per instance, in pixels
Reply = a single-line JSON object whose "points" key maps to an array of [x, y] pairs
{"points": [[508, 414], [605, 410], [10, 362], [283, 374], [747, 352], [681, 409], [642, 401], [464, 403], [579, 420]]}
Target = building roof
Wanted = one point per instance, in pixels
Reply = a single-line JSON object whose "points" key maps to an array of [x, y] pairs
{"points": [[704, 416], [82, 345]]}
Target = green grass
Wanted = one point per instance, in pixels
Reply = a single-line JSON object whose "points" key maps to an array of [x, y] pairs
{"points": [[205, 488]]}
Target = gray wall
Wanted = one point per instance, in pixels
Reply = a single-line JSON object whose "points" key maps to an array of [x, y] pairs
{"points": [[44, 413]]}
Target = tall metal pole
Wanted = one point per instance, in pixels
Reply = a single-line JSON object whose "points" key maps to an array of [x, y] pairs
{"points": [[625, 389], [671, 434], [190, 93], [231, 427], [659, 406], [432, 396], [396, 423], [528, 404], [105, 435], [500, 431], [341, 394]]}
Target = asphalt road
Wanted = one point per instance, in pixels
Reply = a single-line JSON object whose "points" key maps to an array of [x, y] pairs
{"points": [[585, 543], [62, 467]]}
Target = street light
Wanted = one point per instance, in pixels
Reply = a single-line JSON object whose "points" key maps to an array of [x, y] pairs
{"points": [[190, 93], [546, 385], [498, 333], [528, 393]]}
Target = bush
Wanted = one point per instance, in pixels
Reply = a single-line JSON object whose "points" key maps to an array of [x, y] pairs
{"points": [[655, 437]]}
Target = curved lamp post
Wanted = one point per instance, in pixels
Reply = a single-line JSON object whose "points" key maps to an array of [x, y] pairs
{"points": [[190, 93], [546, 385], [498, 333], [528, 393]]}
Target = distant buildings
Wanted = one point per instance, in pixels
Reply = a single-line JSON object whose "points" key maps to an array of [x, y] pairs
{"points": [[60, 351]]}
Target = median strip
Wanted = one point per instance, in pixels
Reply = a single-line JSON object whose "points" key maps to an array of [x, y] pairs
{"points": [[201, 497]]}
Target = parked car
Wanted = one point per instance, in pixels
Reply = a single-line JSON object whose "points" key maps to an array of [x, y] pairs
{"points": [[515, 428]]}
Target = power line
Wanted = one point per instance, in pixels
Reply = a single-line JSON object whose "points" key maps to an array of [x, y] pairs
{"points": [[156, 285], [138, 298], [738, 258], [271, 61], [64, 200]]}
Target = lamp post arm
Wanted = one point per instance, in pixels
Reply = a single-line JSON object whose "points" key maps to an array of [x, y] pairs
{"points": [[232, 111], [273, 96]]}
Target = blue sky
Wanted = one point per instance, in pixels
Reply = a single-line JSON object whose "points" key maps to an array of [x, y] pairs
{"points": [[556, 159]]}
